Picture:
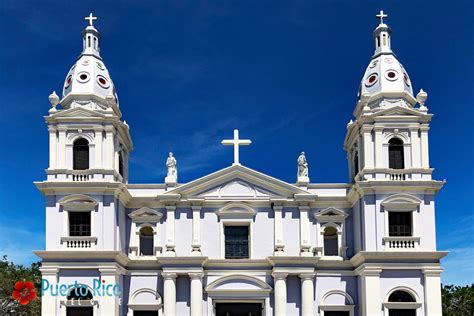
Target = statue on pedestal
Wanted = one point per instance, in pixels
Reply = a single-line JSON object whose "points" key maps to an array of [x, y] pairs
{"points": [[172, 170], [302, 169]]}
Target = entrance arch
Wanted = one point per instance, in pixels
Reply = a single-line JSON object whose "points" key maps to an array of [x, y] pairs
{"points": [[238, 292]]}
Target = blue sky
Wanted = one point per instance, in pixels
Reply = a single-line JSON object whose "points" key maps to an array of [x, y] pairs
{"points": [[285, 73]]}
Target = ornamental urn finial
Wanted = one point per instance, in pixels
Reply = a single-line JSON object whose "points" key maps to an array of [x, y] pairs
{"points": [[421, 97], [53, 99]]}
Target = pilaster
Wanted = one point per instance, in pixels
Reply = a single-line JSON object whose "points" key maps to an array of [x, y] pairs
{"points": [[279, 246], [368, 147], [432, 285], [109, 304], [379, 163], [425, 161], [48, 301], [170, 234], [53, 144], [196, 244], [305, 244], [415, 148], [370, 294], [61, 148], [108, 161], [98, 148]]}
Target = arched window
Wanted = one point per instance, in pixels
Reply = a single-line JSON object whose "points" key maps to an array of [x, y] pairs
{"points": [[81, 292], [395, 154], [330, 242], [80, 153], [79, 302], [146, 241], [402, 297]]}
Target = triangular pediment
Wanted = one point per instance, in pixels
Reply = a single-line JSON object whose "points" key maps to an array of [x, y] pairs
{"points": [[400, 111], [145, 214], [76, 113], [238, 182], [330, 213]]}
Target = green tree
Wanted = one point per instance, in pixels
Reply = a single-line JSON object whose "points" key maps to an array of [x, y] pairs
{"points": [[11, 273], [458, 300]]}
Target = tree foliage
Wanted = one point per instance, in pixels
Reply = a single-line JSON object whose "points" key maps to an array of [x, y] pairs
{"points": [[458, 300], [11, 273]]}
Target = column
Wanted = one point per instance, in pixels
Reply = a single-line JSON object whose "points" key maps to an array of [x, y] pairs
{"points": [[196, 293], [279, 284], [170, 251], [368, 148], [415, 148], [425, 161], [278, 228], [370, 296], [432, 291], [48, 301], [53, 151], [305, 244], [307, 293], [98, 148], [109, 304], [196, 245], [378, 147], [62, 149], [169, 289]]}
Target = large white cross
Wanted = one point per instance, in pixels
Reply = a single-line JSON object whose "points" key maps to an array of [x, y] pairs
{"points": [[381, 16], [91, 19], [236, 142]]}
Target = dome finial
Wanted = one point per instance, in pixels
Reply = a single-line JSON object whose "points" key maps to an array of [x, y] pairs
{"points": [[91, 18], [91, 37], [380, 16], [382, 36]]}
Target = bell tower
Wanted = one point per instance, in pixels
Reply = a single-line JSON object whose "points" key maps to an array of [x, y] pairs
{"points": [[88, 139], [388, 140]]}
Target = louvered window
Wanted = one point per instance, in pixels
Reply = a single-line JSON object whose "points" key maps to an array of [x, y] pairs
{"points": [[79, 223], [395, 154], [120, 164], [80, 154], [356, 164], [399, 224], [236, 242]]}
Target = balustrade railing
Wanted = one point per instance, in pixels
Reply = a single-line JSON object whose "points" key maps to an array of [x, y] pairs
{"points": [[79, 242], [401, 243]]}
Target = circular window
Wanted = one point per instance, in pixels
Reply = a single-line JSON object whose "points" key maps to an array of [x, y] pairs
{"points": [[391, 75], [100, 66], [82, 77], [406, 78], [103, 82], [68, 82], [85, 62], [371, 80]]}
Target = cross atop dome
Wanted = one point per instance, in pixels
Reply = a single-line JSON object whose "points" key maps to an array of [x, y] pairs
{"points": [[381, 16], [91, 18]]}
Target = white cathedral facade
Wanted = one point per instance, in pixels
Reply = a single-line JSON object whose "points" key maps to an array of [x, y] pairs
{"points": [[239, 242]]}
